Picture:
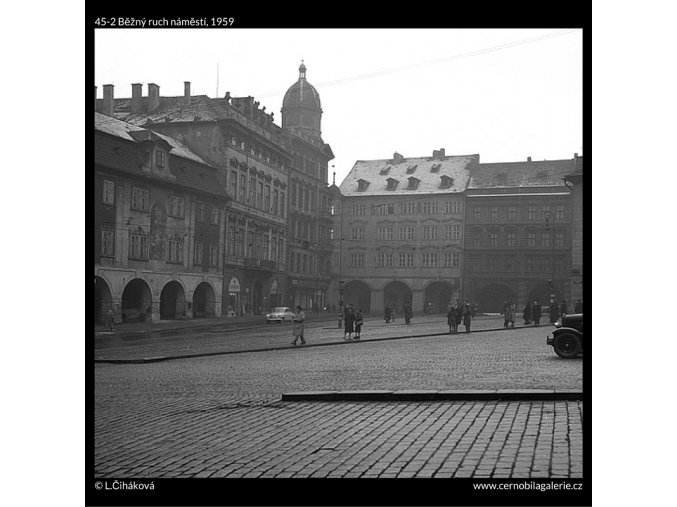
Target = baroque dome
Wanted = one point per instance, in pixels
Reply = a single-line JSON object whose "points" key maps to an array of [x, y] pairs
{"points": [[301, 93]]}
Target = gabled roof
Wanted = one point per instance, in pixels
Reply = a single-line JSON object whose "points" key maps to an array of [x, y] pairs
{"points": [[455, 167], [116, 151], [546, 173]]}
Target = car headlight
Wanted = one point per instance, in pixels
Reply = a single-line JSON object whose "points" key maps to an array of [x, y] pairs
{"points": [[558, 323]]}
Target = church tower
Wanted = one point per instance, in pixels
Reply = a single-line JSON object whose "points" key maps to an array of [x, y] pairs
{"points": [[301, 110]]}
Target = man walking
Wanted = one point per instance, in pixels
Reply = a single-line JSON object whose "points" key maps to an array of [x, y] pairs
{"points": [[536, 312]]}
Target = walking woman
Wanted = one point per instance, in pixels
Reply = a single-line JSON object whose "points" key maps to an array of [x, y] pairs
{"points": [[349, 320], [451, 320], [467, 316], [298, 319]]}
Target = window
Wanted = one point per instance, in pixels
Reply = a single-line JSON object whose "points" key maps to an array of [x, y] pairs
{"points": [[108, 196], [392, 184], [546, 210], [413, 183], [509, 264], [243, 187], [476, 266], [559, 239], [160, 158], [493, 239], [108, 242], [531, 239], [407, 233], [406, 260], [200, 212], [492, 264], [140, 199], [252, 191], [452, 232], [530, 265], [266, 199], [429, 232], [259, 196], [446, 181], [357, 233], [476, 213], [493, 213], [233, 184], [430, 208], [138, 246], [531, 212], [357, 260], [176, 206], [512, 240], [384, 260], [198, 254], [407, 208], [452, 207], [545, 239], [215, 216], [545, 266], [430, 260], [390, 208], [559, 212], [282, 204], [452, 260], [512, 213], [266, 246], [476, 239], [385, 233], [232, 238], [175, 251], [359, 209]]}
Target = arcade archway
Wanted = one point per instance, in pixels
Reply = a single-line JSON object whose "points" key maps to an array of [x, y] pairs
{"points": [[172, 301], [439, 294], [204, 301], [358, 294], [103, 299], [396, 294], [492, 297], [136, 301]]}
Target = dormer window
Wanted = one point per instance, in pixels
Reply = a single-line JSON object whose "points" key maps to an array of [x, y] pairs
{"points": [[362, 185], [446, 181], [392, 184], [435, 168], [159, 158], [413, 183], [411, 169], [385, 171]]}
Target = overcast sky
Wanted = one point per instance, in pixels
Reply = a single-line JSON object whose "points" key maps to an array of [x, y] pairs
{"points": [[505, 94]]}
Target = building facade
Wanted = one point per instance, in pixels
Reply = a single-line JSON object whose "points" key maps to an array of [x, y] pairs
{"points": [[518, 234], [401, 232], [271, 258], [575, 182], [158, 220]]}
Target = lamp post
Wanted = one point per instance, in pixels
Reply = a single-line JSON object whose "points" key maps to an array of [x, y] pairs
{"points": [[552, 239]]}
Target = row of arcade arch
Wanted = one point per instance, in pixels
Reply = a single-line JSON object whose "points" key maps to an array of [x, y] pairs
{"points": [[396, 294], [137, 301]]}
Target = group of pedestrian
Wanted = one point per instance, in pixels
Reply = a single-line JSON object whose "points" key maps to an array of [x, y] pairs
{"points": [[457, 313], [532, 313], [389, 313], [509, 313], [352, 320]]}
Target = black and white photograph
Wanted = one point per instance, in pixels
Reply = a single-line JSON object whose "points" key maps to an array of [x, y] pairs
{"points": [[355, 256]]}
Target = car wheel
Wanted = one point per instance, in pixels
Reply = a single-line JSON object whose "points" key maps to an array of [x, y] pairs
{"points": [[567, 345]]}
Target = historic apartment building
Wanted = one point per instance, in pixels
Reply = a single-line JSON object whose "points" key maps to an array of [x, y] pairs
{"points": [[574, 180], [158, 217], [518, 233], [401, 232], [260, 165]]}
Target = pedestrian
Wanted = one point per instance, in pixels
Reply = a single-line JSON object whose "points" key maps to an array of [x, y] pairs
{"points": [[388, 314], [349, 322], [563, 309], [407, 313], [298, 319], [536, 312], [554, 311], [467, 317], [108, 320], [512, 310], [451, 320], [578, 308], [526, 313], [459, 314], [358, 323], [505, 314]]}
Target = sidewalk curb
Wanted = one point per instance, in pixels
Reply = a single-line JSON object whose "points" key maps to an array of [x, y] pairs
{"points": [[340, 341], [446, 395]]}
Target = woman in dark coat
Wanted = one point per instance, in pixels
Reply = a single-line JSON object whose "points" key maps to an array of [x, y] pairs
{"points": [[358, 323], [467, 316], [349, 321], [451, 320], [536, 312], [388, 314], [526, 314]]}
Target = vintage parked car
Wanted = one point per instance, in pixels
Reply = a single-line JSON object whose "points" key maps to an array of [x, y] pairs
{"points": [[280, 314], [567, 338]]}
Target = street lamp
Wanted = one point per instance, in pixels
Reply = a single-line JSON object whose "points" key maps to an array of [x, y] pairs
{"points": [[552, 239]]}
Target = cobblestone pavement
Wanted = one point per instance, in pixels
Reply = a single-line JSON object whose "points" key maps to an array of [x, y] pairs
{"points": [[222, 415]]}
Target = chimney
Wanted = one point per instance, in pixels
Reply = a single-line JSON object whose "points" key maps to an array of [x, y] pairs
{"points": [[528, 159], [153, 97], [136, 97], [575, 156], [397, 158], [186, 93], [438, 153], [108, 100]]}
